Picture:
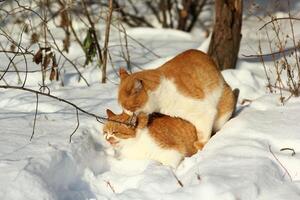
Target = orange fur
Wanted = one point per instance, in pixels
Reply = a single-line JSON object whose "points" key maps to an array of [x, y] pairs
{"points": [[194, 74], [168, 132], [227, 102]]}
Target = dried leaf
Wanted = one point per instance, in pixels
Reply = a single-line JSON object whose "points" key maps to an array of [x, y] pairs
{"points": [[34, 38], [37, 58], [89, 46], [52, 74]]}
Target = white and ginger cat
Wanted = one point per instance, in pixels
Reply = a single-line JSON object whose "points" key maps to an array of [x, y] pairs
{"points": [[189, 86], [159, 137]]}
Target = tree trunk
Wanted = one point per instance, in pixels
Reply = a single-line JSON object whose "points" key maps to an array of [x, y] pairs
{"points": [[225, 42]]}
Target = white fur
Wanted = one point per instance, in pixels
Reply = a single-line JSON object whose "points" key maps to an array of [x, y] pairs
{"points": [[221, 121], [128, 112], [168, 100], [143, 146]]}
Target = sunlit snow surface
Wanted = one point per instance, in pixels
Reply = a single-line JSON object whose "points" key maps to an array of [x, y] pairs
{"points": [[242, 161]]}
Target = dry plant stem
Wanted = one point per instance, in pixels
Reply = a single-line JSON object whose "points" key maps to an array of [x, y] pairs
{"points": [[136, 41], [75, 35], [133, 20], [281, 47], [114, 69], [110, 186], [264, 65], [36, 111], [295, 50], [125, 53], [12, 59], [77, 126], [286, 171], [177, 179], [54, 41], [3, 79], [278, 19], [293, 82], [154, 11], [14, 65], [22, 71], [10, 39], [278, 71], [106, 40], [14, 52], [45, 40]]}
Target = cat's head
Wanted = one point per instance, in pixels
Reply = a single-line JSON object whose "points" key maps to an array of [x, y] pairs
{"points": [[120, 127], [132, 92]]}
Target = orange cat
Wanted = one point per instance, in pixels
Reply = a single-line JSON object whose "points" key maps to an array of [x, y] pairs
{"points": [[156, 136], [188, 86]]}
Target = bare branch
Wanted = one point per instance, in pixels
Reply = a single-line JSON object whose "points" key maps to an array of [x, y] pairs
{"points": [[54, 97], [107, 30], [289, 149], [278, 19]]}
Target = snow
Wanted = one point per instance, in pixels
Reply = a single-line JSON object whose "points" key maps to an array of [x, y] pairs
{"points": [[243, 161]]}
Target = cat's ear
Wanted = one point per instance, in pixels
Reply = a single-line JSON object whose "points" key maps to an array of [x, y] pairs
{"points": [[142, 120], [138, 85], [110, 113], [123, 73]]}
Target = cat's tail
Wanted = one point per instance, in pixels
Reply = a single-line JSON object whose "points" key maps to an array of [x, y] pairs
{"points": [[236, 93]]}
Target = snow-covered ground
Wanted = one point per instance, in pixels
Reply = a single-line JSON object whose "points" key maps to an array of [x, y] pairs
{"points": [[243, 161]]}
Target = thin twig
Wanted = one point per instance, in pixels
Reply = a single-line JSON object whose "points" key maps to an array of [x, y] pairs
{"points": [[15, 52], [36, 111], [110, 186], [286, 171], [177, 179], [278, 19], [270, 54], [98, 118], [54, 41], [53, 97], [136, 41], [125, 53], [289, 149], [77, 126], [296, 90], [11, 60], [75, 67], [23, 71]]}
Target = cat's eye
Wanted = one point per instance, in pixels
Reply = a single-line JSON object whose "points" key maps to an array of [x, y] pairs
{"points": [[114, 132]]}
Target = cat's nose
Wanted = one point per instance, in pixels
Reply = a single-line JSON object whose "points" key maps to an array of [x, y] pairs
{"points": [[112, 140]]}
